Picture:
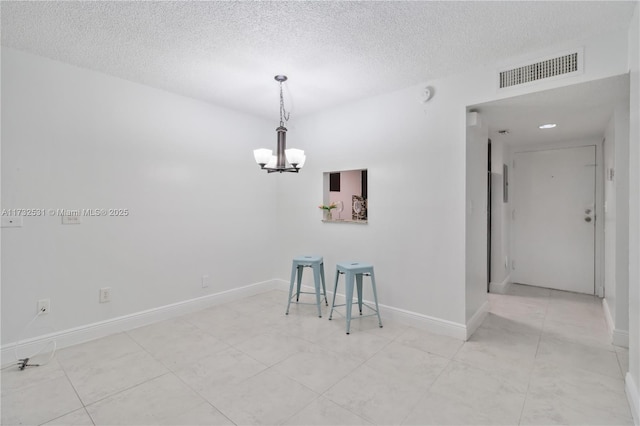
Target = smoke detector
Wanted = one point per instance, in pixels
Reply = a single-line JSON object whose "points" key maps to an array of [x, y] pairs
{"points": [[425, 94]]}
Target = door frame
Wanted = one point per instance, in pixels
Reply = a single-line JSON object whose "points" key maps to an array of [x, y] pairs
{"points": [[598, 261], [489, 200]]}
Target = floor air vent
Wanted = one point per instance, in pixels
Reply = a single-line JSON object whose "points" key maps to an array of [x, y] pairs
{"points": [[544, 69]]}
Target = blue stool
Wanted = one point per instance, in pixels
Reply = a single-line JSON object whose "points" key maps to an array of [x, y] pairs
{"points": [[355, 270], [317, 264]]}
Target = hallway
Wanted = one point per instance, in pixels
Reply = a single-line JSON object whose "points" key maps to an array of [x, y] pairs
{"points": [[557, 343]]}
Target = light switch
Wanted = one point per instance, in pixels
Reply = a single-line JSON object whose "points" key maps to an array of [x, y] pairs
{"points": [[12, 221]]}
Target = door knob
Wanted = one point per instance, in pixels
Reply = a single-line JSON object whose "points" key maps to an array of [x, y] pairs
{"points": [[587, 219]]}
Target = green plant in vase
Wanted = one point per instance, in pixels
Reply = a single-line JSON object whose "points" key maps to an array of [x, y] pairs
{"points": [[327, 210]]}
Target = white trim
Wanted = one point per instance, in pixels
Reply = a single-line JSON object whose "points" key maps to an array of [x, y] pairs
{"points": [[618, 337], [608, 317], [426, 322], [410, 318], [477, 319], [100, 329], [74, 336], [632, 397], [501, 288]]}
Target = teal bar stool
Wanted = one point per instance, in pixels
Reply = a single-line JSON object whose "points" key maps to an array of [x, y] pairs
{"points": [[354, 271], [316, 263]]}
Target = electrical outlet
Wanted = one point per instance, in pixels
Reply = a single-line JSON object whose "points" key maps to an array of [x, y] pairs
{"points": [[105, 294], [44, 306], [205, 281]]}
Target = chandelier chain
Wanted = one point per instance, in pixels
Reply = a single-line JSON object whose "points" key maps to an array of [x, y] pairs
{"points": [[284, 115]]}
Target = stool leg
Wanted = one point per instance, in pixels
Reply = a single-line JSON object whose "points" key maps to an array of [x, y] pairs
{"points": [[375, 297], [335, 290], [324, 288], [359, 289], [300, 270], [294, 269], [349, 290], [316, 283]]}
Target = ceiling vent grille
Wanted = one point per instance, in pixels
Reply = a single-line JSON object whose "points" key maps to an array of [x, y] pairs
{"points": [[544, 69]]}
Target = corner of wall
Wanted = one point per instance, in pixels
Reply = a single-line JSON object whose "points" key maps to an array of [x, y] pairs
{"points": [[618, 337], [632, 397], [476, 320], [633, 377], [501, 287]]}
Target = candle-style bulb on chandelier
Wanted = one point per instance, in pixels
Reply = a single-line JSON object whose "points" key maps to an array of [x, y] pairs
{"points": [[286, 160]]}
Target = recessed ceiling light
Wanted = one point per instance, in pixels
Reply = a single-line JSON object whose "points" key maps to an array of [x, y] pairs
{"points": [[547, 126]]}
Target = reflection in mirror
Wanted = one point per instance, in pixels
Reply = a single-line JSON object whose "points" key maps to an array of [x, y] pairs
{"points": [[347, 191]]}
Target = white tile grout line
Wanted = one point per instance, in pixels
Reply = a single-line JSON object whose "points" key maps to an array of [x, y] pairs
{"points": [[526, 393], [426, 391], [201, 396]]}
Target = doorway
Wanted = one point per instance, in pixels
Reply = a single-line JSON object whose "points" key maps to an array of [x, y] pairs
{"points": [[582, 112], [553, 218], [489, 197]]}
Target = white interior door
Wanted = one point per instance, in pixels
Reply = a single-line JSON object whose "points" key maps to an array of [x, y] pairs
{"points": [[554, 218]]}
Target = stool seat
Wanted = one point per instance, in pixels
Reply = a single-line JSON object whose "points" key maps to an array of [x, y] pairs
{"points": [[354, 271], [355, 267], [316, 263], [308, 259]]}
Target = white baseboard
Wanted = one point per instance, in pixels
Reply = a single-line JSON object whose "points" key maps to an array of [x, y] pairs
{"points": [[477, 319], [607, 316], [501, 287], [618, 337], [100, 329], [425, 322], [632, 397], [74, 336], [410, 318]]}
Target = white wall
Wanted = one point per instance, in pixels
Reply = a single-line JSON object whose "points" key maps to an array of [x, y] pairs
{"points": [[500, 218], [74, 138], [616, 235], [476, 217], [609, 163], [415, 230], [633, 377], [416, 157], [622, 225]]}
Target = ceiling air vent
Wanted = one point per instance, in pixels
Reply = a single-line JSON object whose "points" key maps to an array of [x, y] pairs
{"points": [[544, 69]]}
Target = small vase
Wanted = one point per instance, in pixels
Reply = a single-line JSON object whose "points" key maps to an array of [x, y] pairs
{"points": [[327, 215]]}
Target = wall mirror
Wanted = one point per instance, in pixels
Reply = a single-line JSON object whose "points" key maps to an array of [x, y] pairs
{"points": [[347, 191]]}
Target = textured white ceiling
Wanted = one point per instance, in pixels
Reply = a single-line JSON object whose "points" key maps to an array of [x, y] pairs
{"points": [[581, 111], [333, 52]]}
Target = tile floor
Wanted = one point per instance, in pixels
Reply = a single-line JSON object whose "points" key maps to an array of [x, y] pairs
{"points": [[540, 357]]}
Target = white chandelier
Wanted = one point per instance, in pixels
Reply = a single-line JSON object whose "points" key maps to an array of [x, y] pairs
{"points": [[286, 160]]}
